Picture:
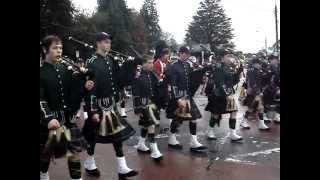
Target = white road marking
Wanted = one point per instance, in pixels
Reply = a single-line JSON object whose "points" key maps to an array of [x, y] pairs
{"points": [[253, 154]]}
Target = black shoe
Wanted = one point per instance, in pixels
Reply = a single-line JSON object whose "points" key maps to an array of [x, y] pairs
{"points": [[210, 138], [246, 128], [144, 152], [267, 121], [176, 146], [129, 174], [198, 149], [276, 122], [268, 129], [158, 159], [123, 116], [94, 172], [236, 140]]}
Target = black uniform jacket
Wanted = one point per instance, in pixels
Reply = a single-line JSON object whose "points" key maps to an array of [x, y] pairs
{"points": [[61, 91], [144, 89]]}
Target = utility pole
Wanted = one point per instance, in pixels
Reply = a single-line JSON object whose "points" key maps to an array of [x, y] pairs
{"points": [[265, 44], [276, 18]]}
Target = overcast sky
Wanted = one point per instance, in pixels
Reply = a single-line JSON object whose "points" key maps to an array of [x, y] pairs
{"points": [[252, 20]]}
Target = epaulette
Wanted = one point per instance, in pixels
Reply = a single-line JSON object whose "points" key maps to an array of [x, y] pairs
{"points": [[91, 60]]}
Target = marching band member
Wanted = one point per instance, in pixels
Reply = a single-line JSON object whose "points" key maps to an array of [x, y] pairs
{"points": [[160, 63], [181, 105], [221, 95], [271, 94], [59, 135], [254, 96], [104, 124], [144, 91]]}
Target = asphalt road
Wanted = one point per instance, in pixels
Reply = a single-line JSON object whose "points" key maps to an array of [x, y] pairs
{"points": [[257, 157]]}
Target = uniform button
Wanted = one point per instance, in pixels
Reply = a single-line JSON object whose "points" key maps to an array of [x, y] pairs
{"points": [[64, 106], [57, 70], [59, 76], [62, 94], [60, 82]]}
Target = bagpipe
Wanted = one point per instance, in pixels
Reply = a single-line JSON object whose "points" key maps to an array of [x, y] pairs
{"points": [[116, 55], [72, 65], [127, 65]]}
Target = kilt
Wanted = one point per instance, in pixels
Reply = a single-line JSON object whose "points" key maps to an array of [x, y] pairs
{"points": [[151, 116], [269, 96], [68, 138], [221, 104], [248, 100], [162, 96], [61, 142], [251, 102], [173, 106], [112, 128]]}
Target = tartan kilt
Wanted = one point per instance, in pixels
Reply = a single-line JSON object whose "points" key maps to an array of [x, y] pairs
{"points": [[72, 143], [90, 132], [219, 105], [248, 100], [113, 129], [269, 96], [253, 104], [151, 116], [173, 106]]}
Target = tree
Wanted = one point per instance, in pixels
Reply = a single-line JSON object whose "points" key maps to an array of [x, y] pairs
{"points": [[170, 41], [138, 32], [151, 19], [56, 16], [113, 17], [211, 25]]}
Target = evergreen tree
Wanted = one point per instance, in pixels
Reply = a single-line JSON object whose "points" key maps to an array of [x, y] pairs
{"points": [[170, 41], [151, 19], [56, 16], [138, 32], [113, 17], [211, 25]]}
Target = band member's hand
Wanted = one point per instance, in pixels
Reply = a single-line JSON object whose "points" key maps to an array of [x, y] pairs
{"points": [[89, 85], [83, 70], [182, 103], [53, 124], [140, 115], [95, 118], [138, 71]]}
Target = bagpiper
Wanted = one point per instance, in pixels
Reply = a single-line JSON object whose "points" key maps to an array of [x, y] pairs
{"points": [[145, 94], [104, 123], [253, 100], [181, 106], [59, 105], [271, 94], [221, 95]]}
